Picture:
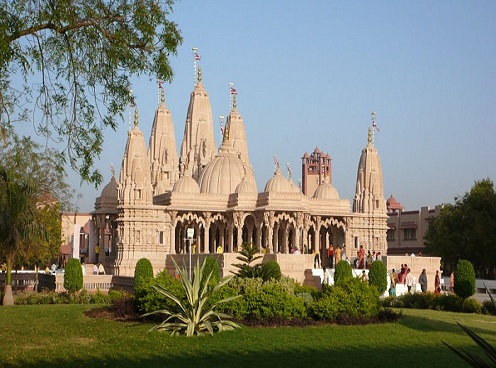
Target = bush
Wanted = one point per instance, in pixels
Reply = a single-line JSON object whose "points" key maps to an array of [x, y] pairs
{"points": [[347, 301], [211, 265], [143, 273], [270, 270], [73, 276], [378, 276], [263, 301], [343, 272], [464, 279], [147, 299], [471, 306], [488, 307]]}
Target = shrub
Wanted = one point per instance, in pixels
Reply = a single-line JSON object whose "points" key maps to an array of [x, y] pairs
{"points": [[270, 300], [212, 266], [347, 301], [488, 307], [143, 273], [471, 306], [270, 270], [464, 279], [378, 276], [148, 299], [73, 276], [342, 272]]}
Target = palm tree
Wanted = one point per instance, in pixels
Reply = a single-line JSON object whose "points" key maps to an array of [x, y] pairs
{"points": [[19, 221]]}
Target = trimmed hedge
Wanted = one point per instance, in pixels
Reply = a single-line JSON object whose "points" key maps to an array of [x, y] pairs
{"points": [[143, 272], [464, 279], [73, 276], [211, 265], [342, 272], [378, 276]]}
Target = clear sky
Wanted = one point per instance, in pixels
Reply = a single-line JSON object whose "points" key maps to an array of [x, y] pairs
{"points": [[309, 73]]}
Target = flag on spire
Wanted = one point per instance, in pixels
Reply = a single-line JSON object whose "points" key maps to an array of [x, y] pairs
{"points": [[233, 91], [374, 125], [197, 57], [160, 84]]}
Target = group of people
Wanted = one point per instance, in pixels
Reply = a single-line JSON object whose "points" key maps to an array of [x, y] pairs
{"points": [[364, 261], [405, 277]]}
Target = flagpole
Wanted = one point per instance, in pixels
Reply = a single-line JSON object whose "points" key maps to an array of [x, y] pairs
{"points": [[221, 123], [230, 96], [373, 126], [129, 110], [195, 52]]}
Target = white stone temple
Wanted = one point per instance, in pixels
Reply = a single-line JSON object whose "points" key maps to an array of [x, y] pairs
{"points": [[160, 194]]}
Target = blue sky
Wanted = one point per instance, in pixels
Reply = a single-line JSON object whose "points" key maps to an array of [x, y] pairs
{"points": [[309, 73]]}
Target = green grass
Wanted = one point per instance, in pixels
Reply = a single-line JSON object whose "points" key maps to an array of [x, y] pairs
{"points": [[61, 336]]}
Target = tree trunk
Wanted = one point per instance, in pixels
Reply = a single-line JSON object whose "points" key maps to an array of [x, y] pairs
{"points": [[8, 297]]}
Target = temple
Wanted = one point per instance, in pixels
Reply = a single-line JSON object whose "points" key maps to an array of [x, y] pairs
{"points": [[211, 192]]}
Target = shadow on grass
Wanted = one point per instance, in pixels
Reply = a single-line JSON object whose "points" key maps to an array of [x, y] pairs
{"points": [[358, 356]]}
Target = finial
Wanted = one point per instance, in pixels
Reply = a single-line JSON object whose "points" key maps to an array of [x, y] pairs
{"points": [[112, 170], [199, 75], [276, 163], [226, 131], [289, 170], [232, 96], [136, 117], [369, 138], [162, 95], [234, 102]]}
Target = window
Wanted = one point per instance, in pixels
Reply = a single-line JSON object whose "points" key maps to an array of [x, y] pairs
{"points": [[161, 237], [390, 234], [410, 234]]}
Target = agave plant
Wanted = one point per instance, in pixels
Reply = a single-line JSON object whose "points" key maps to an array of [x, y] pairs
{"points": [[473, 359], [195, 316]]}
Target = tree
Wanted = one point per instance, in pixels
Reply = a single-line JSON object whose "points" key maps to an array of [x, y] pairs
{"points": [[467, 230], [464, 279], [19, 221], [248, 255], [68, 64], [378, 276], [32, 190]]}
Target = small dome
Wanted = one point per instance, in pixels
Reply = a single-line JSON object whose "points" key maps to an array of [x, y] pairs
{"points": [[186, 184], [109, 193], [326, 192], [247, 186], [223, 174], [278, 184]]}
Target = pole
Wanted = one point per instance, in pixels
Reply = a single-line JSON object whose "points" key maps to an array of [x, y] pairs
{"points": [[189, 272]]}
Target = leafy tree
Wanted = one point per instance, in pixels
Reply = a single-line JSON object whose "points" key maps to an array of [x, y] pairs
{"points": [[73, 276], [143, 273], [69, 63], [32, 190], [467, 230], [19, 221], [196, 316]]}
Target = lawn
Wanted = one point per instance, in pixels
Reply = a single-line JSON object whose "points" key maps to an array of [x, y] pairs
{"points": [[62, 336]]}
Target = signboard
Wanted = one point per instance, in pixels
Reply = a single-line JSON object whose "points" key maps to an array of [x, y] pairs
{"points": [[190, 232]]}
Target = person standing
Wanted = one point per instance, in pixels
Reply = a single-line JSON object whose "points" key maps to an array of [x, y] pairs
{"points": [[316, 259], [423, 281], [330, 255], [97, 252], [361, 257], [437, 283], [338, 254], [409, 281], [394, 281]]}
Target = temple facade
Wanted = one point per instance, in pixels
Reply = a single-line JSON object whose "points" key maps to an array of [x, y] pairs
{"points": [[162, 198]]}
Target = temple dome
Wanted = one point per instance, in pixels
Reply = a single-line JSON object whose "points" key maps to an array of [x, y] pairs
{"points": [[186, 184], [109, 193], [278, 184], [247, 186], [326, 191], [223, 174]]}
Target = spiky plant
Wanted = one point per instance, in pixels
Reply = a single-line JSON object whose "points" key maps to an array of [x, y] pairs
{"points": [[473, 359], [196, 316]]}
